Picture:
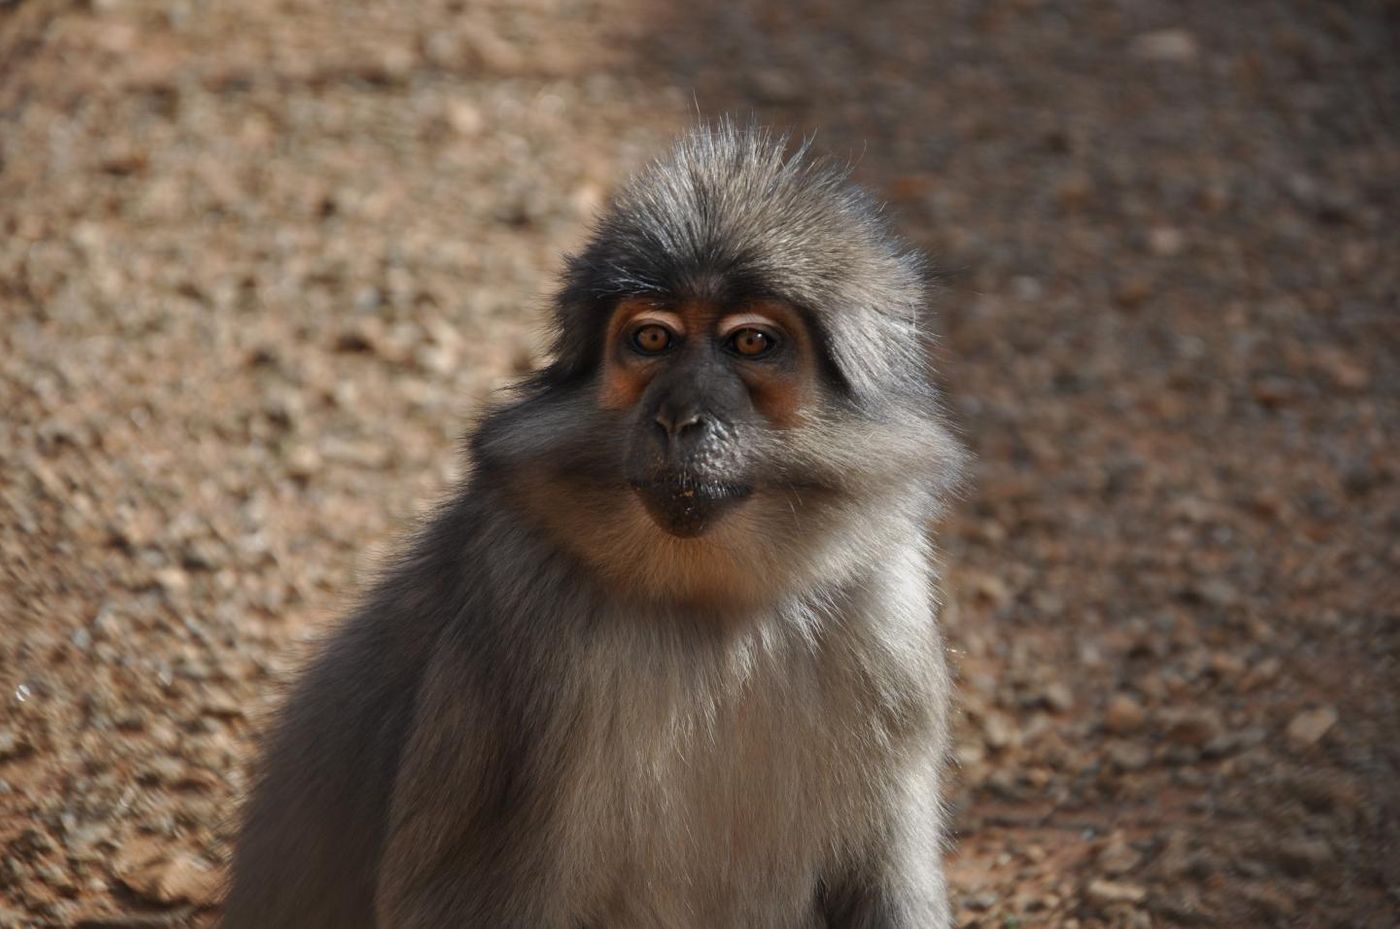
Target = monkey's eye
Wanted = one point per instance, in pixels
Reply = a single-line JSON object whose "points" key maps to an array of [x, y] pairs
{"points": [[751, 342], [651, 339]]}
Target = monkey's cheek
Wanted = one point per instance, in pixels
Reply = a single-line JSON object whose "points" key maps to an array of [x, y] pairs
{"points": [[687, 513]]}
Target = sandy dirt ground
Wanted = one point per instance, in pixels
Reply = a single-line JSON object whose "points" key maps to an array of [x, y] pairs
{"points": [[259, 262]]}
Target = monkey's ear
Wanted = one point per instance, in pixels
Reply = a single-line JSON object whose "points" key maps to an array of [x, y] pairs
{"points": [[570, 365], [578, 328], [593, 283], [881, 339]]}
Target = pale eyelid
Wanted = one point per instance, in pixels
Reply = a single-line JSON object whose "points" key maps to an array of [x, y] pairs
{"points": [[649, 317], [732, 324]]}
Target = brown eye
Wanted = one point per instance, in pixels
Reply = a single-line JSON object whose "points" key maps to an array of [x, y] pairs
{"points": [[651, 339], [751, 343]]}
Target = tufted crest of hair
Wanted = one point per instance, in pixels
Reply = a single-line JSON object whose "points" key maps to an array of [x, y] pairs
{"points": [[733, 213]]}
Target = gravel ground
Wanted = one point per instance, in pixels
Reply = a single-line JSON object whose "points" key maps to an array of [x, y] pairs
{"points": [[260, 261]]}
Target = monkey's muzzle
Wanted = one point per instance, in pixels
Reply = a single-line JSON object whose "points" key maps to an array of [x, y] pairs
{"points": [[687, 508]]}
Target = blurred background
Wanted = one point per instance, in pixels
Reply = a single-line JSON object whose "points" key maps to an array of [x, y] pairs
{"points": [[259, 261]]}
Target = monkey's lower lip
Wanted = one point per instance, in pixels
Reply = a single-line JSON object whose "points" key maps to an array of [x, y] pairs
{"points": [[688, 508]]}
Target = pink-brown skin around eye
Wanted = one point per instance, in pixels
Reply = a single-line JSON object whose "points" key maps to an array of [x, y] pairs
{"points": [[779, 389]]}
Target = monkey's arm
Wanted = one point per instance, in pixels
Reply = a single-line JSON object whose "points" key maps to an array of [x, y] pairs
{"points": [[898, 883], [309, 848], [468, 839]]}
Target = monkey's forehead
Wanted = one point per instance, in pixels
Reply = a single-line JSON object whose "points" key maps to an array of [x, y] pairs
{"points": [[745, 227]]}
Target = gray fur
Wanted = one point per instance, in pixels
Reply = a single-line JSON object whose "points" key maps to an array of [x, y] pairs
{"points": [[549, 713]]}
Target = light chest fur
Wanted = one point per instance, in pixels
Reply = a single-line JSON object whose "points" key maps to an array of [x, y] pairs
{"points": [[717, 783]]}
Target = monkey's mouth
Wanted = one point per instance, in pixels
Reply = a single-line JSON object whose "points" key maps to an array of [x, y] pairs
{"points": [[687, 507]]}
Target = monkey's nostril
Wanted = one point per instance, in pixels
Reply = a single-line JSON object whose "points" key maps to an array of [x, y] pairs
{"points": [[689, 422], [677, 425]]}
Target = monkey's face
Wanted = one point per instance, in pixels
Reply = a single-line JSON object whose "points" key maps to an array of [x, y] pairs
{"points": [[701, 387], [739, 402]]}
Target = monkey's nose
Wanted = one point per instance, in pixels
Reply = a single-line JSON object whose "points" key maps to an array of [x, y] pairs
{"points": [[676, 424]]}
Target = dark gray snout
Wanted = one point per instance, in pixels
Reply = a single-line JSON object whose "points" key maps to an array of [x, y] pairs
{"points": [[686, 461]]}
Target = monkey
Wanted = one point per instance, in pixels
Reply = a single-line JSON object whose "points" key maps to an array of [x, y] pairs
{"points": [[669, 656]]}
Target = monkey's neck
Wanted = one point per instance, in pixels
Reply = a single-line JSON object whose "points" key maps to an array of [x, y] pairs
{"points": [[519, 573]]}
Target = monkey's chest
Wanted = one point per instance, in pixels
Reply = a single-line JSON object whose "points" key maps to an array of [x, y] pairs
{"points": [[699, 809]]}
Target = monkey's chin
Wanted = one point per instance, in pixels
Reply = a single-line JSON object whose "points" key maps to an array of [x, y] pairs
{"points": [[688, 509]]}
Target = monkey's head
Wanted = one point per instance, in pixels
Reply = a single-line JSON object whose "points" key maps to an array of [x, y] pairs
{"points": [[739, 400]]}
